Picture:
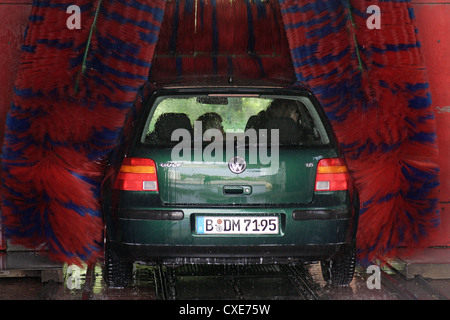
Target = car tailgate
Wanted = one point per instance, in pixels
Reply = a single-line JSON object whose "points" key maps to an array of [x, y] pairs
{"points": [[289, 180]]}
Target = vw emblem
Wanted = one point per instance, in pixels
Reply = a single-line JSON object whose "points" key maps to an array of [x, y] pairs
{"points": [[237, 164]]}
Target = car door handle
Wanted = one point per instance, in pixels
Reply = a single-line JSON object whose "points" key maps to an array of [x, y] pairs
{"points": [[233, 190]]}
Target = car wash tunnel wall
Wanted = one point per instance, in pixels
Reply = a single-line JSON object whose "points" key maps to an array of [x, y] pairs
{"points": [[326, 44]]}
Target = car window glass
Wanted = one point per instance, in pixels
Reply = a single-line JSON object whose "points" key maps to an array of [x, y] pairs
{"points": [[294, 118]]}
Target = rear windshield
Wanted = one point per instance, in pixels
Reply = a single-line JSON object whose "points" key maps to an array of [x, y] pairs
{"points": [[287, 121]]}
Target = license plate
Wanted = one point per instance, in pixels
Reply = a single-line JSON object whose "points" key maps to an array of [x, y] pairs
{"points": [[237, 225]]}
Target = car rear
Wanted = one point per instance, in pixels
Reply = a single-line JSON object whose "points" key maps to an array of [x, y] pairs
{"points": [[256, 187]]}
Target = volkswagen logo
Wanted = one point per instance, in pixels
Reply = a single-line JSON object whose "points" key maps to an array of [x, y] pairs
{"points": [[237, 164]]}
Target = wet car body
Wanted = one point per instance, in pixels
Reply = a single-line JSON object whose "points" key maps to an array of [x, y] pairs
{"points": [[195, 209]]}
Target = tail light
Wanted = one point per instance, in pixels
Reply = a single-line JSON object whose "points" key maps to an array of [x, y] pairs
{"points": [[332, 175], [137, 174]]}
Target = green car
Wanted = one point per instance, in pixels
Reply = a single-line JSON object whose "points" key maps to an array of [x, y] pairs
{"points": [[229, 174]]}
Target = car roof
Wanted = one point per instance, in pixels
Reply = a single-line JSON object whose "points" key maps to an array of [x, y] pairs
{"points": [[225, 82]]}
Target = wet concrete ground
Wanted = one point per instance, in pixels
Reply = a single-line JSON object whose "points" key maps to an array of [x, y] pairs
{"points": [[218, 283]]}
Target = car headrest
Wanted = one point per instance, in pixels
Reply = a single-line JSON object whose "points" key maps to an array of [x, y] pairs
{"points": [[169, 122], [253, 123], [289, 132]]}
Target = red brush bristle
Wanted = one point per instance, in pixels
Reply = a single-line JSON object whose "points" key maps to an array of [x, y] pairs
{"points": [[186, 26], [73, 92], [81, 233], [202, 38]]}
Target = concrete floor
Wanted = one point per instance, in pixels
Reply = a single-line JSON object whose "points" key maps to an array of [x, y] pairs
{"points": [[43, 280]]}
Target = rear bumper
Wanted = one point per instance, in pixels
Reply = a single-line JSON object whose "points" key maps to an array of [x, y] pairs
{"points": [[174, 215], [259, 254], [168, 236]]}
